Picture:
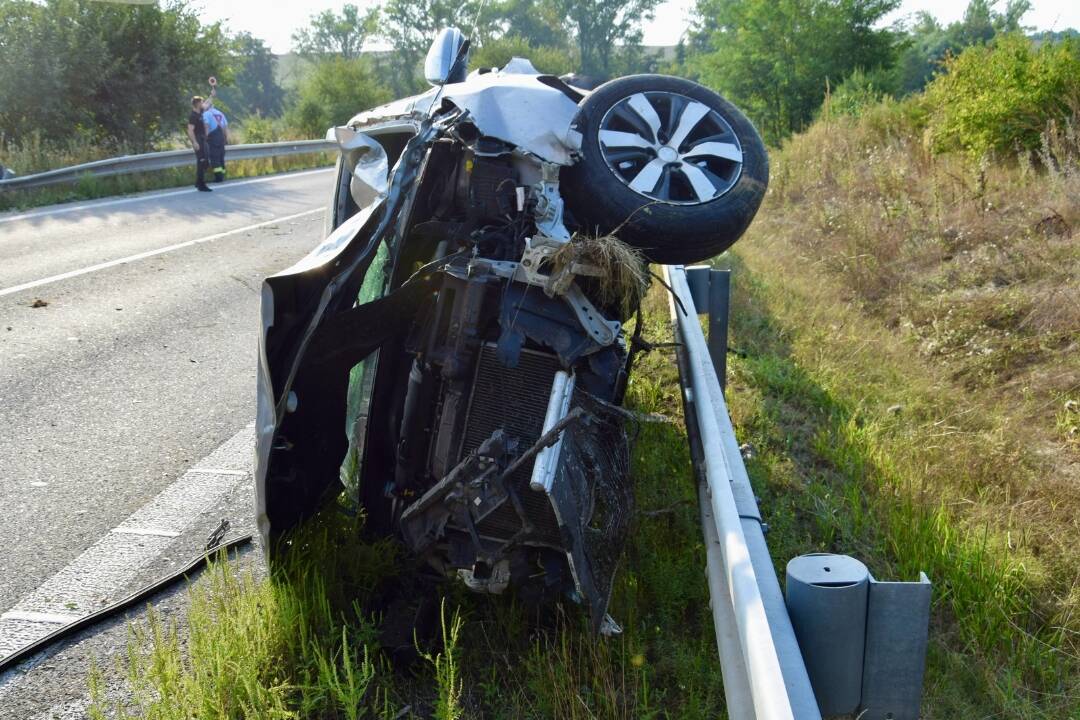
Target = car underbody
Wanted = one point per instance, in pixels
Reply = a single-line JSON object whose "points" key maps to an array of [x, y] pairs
{"points": [[453, 353]]}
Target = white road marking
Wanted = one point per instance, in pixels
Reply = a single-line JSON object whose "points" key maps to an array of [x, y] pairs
{"points": [[152, 196], [218, 471], [40, 617], [151, 253], [145, 531], [109, 566]]}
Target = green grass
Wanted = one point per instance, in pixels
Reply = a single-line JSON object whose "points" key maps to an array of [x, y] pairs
{"points": [[262, 649], [841, 468], [309, 644], [910, 378], [89, 188]]}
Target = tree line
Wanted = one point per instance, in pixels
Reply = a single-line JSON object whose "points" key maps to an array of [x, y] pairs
{"points": [[120, 75], [778, 59]]}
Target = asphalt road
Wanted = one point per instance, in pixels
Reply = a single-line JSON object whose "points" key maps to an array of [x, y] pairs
{"points": [[127, 352]]}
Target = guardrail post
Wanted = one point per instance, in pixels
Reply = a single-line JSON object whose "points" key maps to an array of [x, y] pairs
{"points": [[711, 290], [897, 628], [719, 300]]}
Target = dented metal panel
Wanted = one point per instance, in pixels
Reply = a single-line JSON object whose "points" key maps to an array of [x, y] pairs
{"points": [[511, 106]]}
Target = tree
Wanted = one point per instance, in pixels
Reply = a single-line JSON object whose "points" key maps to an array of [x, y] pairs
{"points": [[929, 42], [775, 58], [498, 51], [254, 89], [334, 91], [113, 74], [603, 29], [540, 23], [333, 34], [601, 37], [410, 26]]}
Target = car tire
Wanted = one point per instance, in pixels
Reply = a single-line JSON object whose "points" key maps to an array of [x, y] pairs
{"points": [[679, 187]]}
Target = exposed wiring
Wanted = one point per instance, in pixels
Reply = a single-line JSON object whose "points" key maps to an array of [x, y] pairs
{"points": [[678, 300]]}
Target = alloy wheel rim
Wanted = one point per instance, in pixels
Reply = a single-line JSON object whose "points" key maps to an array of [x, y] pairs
{"points": [[670, 148]]}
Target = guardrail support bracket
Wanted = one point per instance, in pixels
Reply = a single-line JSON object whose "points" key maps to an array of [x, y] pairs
{"points": [[864, 641], [711, 291], [897, 622]]}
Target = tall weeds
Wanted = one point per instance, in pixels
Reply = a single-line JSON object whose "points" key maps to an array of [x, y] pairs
{"points": [[912, 337], [447, 666]]}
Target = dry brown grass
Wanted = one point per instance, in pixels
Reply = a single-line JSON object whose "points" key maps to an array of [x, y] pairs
{"points": [[615, 275], [978, 265], [953, 291]]}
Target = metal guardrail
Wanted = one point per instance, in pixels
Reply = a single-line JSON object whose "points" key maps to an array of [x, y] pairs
{"points": [[148, 162], [765, 677]]}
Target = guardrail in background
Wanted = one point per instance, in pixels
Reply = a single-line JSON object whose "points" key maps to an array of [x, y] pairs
{"points": [[764, 674], [147, 162]]}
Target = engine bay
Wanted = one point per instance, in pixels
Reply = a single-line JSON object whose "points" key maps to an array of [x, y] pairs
{"points": [[495, 373]]}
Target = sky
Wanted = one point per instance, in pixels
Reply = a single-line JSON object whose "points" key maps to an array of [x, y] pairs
{"points": [[275, 21]]}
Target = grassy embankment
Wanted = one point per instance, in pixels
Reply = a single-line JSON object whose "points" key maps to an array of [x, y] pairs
{"points": [[910, 331], [307, 646], [35, 156]]}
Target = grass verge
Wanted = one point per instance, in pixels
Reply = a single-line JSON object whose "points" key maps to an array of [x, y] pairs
{"points": [[307, 644], [908, 328], [851, 455]]}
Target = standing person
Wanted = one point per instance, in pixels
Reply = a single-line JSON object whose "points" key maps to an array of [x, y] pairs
{"points": [[217, 136], [196, 130]]}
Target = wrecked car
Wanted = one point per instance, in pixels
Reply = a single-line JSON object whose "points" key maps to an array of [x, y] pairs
{"points": [[454, 352]]}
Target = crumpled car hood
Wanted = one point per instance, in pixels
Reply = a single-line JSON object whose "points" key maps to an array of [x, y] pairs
{"points": [[531, 111]]}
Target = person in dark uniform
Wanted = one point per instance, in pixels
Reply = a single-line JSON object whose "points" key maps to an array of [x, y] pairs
{"points": [[196, 130]]}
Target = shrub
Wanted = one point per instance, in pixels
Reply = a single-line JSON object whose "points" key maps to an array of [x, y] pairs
{"points": [[259, 130], [998, 98], [333, 92], [859, 91], [498, 52], [895, 119]]}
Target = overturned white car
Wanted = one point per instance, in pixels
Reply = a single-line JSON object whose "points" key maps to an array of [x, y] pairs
{"points": [[454, 351]]}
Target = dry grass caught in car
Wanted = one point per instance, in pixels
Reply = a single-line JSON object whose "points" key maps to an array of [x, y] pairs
{"points": [[622, 277]]}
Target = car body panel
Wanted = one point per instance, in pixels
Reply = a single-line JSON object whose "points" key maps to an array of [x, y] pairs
{"points": [[522, 108]]}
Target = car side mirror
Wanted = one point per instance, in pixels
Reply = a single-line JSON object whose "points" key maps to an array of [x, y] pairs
{"points": [[445, 62]]}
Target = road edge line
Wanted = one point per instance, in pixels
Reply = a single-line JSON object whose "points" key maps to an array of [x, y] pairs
{"points": [[151, 253]]}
